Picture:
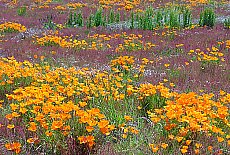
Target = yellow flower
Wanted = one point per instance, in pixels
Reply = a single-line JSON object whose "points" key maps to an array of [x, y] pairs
{"points": [[10, 126], [164, 145], [166, 65], [179, 139], [198, 145]]}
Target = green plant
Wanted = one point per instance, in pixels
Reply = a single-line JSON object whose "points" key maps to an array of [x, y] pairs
{"points": [[145, 20], [111, 18], [207, 17], [227, 23], [75, 20], [159, 19], [48, 22], [118, 17], [174, 19], [132, 20], [70, 19], [187, 15], [80, 20], [90, 23], [98, 18], [21, 11]]}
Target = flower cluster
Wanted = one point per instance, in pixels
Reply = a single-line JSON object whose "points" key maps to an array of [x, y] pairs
{"points": [[58, 101], [12, 27], [76, 5], [131, 42], [212, 55], [188, 114], [15, 146]]}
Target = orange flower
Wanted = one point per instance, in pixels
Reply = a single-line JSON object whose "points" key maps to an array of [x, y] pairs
{"points": [[124, 136], [14, 106], [154, 147], [128, 118], [210, 148], [33, 127], [197, 151], [220, 139], [184, 149], [82, 139], [49, 133], [15, 146], [188, 142], [15, 114], [30, 140], [8, 146], [133, 130], [35, 56], [103, 123], [56, 125], [105, 130], [89, 128]]}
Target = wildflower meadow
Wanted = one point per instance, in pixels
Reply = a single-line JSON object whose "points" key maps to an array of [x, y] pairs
{"points": [[112, 77]]}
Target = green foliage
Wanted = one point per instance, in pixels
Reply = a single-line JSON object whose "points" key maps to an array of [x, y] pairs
{"points": [[21, 11], [98, 18], [145, 21], [132, 20], [159, 19], [111, 18], [174, 18], [152, 102], [118, 17], [90, 21], [207, 17], [75, 20], [48, 23], [227, 23], [80, 20], [187, 15]]}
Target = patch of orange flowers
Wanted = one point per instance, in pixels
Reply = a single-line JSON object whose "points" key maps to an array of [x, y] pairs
{"points": [[12, 27]]}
